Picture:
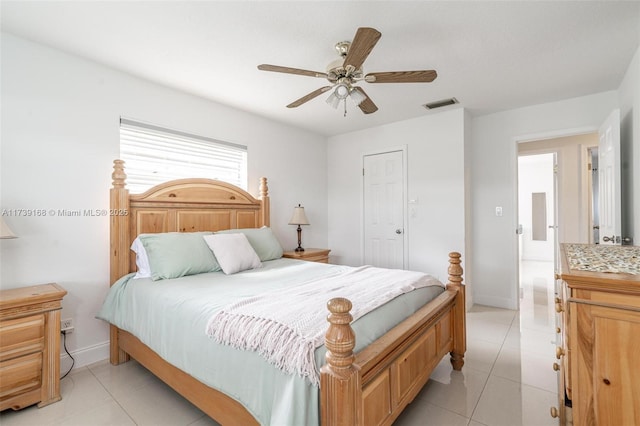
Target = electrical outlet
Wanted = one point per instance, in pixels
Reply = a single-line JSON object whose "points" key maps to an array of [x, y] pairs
{"points": [[66, 325]]}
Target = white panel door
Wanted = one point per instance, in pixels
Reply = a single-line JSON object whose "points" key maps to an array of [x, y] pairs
{"points": [[384, 210], [609, 202]]}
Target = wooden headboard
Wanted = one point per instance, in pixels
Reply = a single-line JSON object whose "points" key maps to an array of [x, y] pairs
{"points": [[184, 205]]}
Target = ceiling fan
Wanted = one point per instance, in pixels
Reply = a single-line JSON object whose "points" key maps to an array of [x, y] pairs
{"points": [[344, 72]]}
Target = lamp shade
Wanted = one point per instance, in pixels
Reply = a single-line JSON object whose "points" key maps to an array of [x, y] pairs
{"points": [[299, 218], [5, 231]]}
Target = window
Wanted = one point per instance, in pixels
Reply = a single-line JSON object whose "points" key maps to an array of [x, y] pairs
{"points": [[154, 155]]}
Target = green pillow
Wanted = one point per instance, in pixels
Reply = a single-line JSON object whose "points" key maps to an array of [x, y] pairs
{"points": [[176, 254], [263, 241]]}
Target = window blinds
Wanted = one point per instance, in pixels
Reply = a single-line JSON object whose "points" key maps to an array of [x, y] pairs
{"points": [[154, 155]]}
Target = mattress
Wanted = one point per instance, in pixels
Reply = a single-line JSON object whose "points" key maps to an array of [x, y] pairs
{"points": [[170, 316]]}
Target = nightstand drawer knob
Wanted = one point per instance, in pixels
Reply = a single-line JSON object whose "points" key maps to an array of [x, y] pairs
{"points": [[556, 366], [559, 352]]}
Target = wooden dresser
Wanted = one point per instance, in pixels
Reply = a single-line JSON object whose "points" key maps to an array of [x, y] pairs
{"points": [[30, 346], [309, 254], [599, 352]]}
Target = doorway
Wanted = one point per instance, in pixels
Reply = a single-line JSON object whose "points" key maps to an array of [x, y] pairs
{"points": [[570, 216], [537, 229]]}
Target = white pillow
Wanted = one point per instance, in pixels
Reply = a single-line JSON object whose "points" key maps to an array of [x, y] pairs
{"points": [[233, 252], [142, 260]]}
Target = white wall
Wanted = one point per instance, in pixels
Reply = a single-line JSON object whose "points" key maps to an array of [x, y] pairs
{"points": [[60, 124], [435, 146], [494, 183]]}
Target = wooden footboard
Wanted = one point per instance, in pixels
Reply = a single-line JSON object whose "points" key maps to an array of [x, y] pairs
{"points": [[375, 385]]}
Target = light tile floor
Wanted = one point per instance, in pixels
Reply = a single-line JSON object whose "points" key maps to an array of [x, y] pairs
{"points": [[507, 378]]}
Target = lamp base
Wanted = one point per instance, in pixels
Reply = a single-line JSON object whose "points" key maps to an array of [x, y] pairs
{"points": [[299, 248]]}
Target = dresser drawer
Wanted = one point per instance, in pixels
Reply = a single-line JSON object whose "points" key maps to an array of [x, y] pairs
{"points": [[20, 375], [21, 336]]}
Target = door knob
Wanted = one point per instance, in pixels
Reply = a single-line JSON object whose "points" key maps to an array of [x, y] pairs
{"points": [[398, 231], [608, 239]]}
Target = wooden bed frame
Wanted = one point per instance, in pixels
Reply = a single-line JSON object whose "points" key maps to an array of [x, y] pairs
{"points": [[371, 387]]}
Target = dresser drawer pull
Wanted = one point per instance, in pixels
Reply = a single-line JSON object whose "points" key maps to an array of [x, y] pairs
{"points": [[556, 366], [554, 412], [559, 352]]}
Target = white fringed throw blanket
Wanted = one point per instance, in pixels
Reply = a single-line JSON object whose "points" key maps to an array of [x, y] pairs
{"points": [[286, 326]]}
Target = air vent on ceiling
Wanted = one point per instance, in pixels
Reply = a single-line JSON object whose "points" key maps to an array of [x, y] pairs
{"points": [[441, 103]]}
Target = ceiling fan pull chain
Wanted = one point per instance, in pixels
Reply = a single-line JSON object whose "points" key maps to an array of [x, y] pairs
{"points": [[345, 107]]}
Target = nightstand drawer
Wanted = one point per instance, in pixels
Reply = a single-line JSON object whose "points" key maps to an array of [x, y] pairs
{"points": [[20, 375], [21, 336]]}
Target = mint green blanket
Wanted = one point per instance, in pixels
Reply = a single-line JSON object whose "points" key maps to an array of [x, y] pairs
{"points": [[170, 316]]}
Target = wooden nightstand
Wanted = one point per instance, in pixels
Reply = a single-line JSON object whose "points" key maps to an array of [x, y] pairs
{"points": [[30, 346], [309, 254]]}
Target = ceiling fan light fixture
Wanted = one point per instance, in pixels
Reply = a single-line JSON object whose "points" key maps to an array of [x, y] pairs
{"points": [[333, 100], [341, 91], [356, 96]]}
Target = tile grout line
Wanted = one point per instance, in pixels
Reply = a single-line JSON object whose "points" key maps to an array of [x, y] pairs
{"points": [[473, 412], [112, 396]]}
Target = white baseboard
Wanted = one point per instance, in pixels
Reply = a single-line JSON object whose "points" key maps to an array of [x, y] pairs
{"points": [[84, 356], [496, 302]]}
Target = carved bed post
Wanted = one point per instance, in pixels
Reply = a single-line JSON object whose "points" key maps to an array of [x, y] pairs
{"points": [[340, 386], [119, 246], [266, 208], [459, 311]]}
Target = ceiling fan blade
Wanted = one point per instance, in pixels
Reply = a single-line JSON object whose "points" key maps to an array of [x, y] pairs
{"points": [[367, 106], [424, 76], [287, 70], [308, 97], [361, 46]]}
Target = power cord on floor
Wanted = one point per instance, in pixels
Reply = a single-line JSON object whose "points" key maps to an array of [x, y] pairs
{"points": [[64, 344]]}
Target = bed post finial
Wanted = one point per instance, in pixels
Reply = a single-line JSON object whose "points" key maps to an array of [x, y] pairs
{"points": [[340, 338], [119, 176], [455, 270], [265, 218], [340, 379], [264, 188], [459, 311]]}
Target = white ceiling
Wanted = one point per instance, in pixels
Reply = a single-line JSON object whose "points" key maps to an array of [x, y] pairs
{"points": [[491, 56]]}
